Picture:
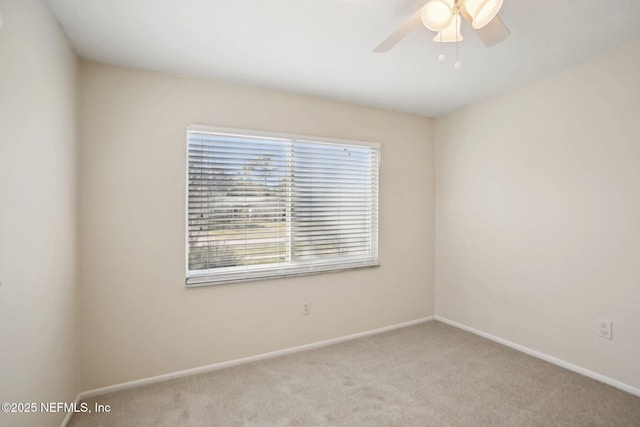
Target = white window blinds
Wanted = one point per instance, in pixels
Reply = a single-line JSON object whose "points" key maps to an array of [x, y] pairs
{"points": [[264, 206]]}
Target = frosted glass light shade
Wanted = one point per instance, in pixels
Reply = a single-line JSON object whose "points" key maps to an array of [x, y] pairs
{"points": [[482, 11], [437, 14], [451, 34]]}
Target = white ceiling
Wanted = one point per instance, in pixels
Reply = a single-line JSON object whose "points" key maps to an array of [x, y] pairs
{"points": [[324, 47]]}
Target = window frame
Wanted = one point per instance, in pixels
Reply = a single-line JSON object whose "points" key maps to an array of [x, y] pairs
{"points": [[197, 278]]}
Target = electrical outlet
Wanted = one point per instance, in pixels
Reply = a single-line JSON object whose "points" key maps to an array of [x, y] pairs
{"points": [[306, 309], [604, 329]]}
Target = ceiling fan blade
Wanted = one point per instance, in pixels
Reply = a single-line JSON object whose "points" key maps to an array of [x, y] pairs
{"points": [[493, 33], [400, 33]]}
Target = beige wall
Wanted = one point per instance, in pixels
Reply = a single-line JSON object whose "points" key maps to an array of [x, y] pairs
{"points": [[538, 215], [138, 319], [37, 212]]}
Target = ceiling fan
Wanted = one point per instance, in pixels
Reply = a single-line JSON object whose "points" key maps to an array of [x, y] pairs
{"points": [[443, 16]]}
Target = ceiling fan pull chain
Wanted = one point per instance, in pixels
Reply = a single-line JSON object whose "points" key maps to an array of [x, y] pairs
{"points": [[441, 56], [458, 64]]}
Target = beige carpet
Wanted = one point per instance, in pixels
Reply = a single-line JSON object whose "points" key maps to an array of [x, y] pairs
{"points": [[426, 375]]}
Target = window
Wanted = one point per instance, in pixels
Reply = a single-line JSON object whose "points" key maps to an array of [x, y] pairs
{"points": [[262, 205]]}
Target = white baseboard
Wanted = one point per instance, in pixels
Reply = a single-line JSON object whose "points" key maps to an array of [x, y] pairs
{"points": [[67, 417], [570, 366], [221, 365]]}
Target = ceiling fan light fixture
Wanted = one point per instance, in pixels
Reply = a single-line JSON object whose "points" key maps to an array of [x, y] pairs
{"points": [[482, 11], [437, 14], [451, 34]]}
